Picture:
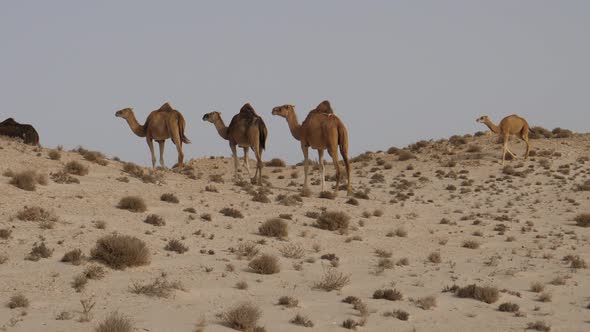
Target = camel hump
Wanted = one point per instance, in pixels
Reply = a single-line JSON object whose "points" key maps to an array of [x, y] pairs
{"points": [[324, 107], [9, 121], [166, 107], [247, 109]]}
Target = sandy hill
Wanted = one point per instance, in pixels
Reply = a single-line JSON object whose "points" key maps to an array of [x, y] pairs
{"points": [[426, 222]]}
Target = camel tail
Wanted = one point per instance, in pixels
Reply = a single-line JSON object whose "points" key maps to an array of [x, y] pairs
{"points": [[181, 125], [343, 139], [263, 133]]}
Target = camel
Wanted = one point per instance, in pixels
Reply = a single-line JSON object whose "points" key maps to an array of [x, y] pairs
{"points": [[246, 130], [510, 125], [160, 125], [321, 130], [11, 128]]}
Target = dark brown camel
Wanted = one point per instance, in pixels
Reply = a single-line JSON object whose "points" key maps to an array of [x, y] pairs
{"points": [[11, 128]]}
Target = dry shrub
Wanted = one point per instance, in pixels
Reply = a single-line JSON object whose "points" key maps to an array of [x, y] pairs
{"points": [[79, 283], [401, 232], [94, 272], [154, 219], [247, 249], [39, 251], [576, 262], [28, 180], [561, 133], [115, 322], [539, 326], [333, 220], [473, 149], [231, 212], [276, 162], [275, 227], [539, 132], [217, 178], [54, 155], [399, 314], [76, 257], [301, 320], [132, 203], [327, 195], [176, 246], [426, 303], [332, 279], [508, 307], [352, 201], [121, 251], [18, 301], [76, 168], [292, 250], [242, 317], [242, 285], [63, 178], [537, 287], [35, 213], [485, 294], [160, 287], [288, 301], [95, 157], [289, 200], [583, 220], [404, 155], [265, 264], [260, 196], [169, 197], [5, 233], [434, 257], [388, 294], [471, 244], [151, 176]]}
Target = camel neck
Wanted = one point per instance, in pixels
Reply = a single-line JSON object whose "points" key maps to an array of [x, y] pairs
{"points": [[294, 125], [495, 129], [137, 129], [221, 128]]}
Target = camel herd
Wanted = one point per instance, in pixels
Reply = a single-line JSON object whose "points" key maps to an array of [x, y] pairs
{"points": [[321, 130]]}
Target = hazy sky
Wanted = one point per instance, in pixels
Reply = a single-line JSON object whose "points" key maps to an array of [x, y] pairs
{"points": [[394, 71]]}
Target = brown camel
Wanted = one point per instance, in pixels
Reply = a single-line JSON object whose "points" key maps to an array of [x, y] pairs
{"points": [[510, 125], [321, 130], [160, 125], [246, 130], [11, 128]]}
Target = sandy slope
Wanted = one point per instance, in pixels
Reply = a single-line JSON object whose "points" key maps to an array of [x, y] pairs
{"points": [[544, 199]]}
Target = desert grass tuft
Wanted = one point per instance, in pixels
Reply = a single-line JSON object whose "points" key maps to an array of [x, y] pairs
{"points": [[485, 294], [583, 220], [132, 203], [115, 322], [28, 180], [76, 168], [176, 246], [331, 280], [75, 257], [231, 212], [242, 317], [154, 219], [160, 287], [265, 264], [121, 251], [388, 294], [169, 198], [301, 320], [275, 227], [18, 301], [333, 220]]}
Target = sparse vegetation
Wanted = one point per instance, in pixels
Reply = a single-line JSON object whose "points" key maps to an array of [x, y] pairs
{"points": [[154, 219], [231, 212], [485, 294], [388, 294], [76, 168], [509, 307], [39, 251], [583, 220], [539, 326], [132, 203], [332, 279], [265, 264], [333, 220], [115, 322], [288, 301], [28, 180], [276, 162], [160, 287], [18, 301], [76, 257], [169, 198], [275, 227], [242, 317], [121, 251]]}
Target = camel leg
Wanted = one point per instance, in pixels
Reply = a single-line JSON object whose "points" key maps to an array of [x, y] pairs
{"points": [[178, 142], [161, 144], [334, 154], [151, 146], [322, 169], [525, 138], [259, 164], [344, 154], [234, 153], [504, 148], [246, 162], [305, 150]]}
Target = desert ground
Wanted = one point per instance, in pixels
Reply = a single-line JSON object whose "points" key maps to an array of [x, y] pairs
{"points": [[438, 236]]}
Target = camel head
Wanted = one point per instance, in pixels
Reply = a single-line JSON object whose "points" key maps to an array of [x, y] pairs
{"points": [[212, 117], [482, 119], [283, 110], [125, 113]]}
